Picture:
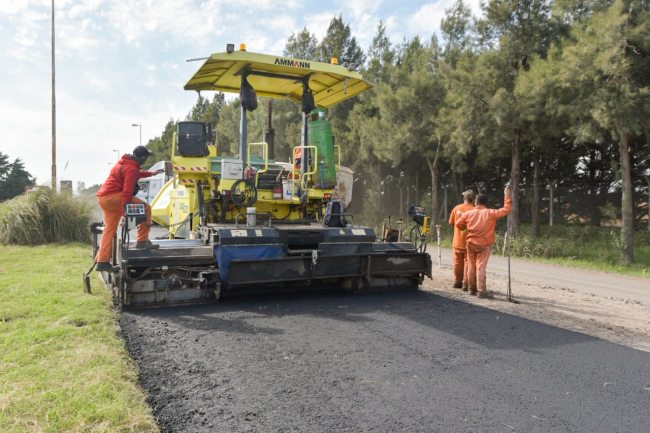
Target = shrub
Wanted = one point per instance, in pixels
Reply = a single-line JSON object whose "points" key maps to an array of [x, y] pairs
{"points": [[42, 217]]}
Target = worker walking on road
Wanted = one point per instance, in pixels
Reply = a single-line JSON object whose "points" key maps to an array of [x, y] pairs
{"points": [[115, 193], [480, 224], [460, 249]]}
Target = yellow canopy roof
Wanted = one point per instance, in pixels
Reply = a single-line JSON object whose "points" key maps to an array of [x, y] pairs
{"points": [[329, 83]]}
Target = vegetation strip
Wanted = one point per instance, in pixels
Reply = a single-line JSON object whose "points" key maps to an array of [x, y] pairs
{"points": [[577, 246], [63, 366]]}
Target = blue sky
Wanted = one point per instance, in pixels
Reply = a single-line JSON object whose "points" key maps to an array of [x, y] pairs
{"points": [[120, 62]]}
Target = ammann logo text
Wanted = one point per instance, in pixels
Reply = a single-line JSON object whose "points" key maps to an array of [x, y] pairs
{"points": [[294, 63]]}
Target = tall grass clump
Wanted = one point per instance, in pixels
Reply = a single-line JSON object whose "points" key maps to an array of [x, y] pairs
{"points": [[43, 217]]}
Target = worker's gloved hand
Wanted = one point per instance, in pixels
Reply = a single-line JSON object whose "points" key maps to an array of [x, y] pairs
{"points": [[122, 221], [506, 191], [160, 170]]}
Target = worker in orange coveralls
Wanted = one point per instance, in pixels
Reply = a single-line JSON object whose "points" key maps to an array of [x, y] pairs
{"points": [[480, 224], [460, 251], [115, 193]]}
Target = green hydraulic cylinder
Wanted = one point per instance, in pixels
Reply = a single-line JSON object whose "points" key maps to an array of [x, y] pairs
{"points": [[320, 135]]}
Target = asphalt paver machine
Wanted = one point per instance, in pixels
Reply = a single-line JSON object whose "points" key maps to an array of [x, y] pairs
{"points": [[248, 223]]}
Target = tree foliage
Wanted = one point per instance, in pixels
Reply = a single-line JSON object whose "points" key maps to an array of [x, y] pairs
{"points": [[550, 96], [13, 178]]}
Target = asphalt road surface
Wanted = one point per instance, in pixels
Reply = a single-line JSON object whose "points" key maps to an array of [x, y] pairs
{"points": [[388, 362]]}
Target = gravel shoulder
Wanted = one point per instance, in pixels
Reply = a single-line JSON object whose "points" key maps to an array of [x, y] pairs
{"points": [[613, 307]]}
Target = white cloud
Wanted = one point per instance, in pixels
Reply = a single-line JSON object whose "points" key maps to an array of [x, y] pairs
{"points": [[427, 19], [121, 62], [278, 46], [360, 8], [15, 6], [98, 84], [180, 19], [84, 8], [319, 22], [87, 133]]}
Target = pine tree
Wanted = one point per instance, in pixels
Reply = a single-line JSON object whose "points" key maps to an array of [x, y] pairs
{"points": [[607, 65], [302, 45], [16, 179]]}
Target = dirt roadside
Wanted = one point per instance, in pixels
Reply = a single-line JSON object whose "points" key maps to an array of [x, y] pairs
{"points": [[599, 312]]}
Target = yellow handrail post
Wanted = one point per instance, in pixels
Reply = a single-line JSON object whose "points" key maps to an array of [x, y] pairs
{"points": [[265, 154], [303, 159], [174, 138], [338, 166]]}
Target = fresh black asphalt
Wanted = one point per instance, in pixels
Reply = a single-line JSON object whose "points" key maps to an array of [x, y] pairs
{"points": [[387, 362]]}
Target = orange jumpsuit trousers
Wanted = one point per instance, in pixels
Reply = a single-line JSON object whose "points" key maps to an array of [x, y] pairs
{"points": [[460, 267], [112, 207], [477, 256]]}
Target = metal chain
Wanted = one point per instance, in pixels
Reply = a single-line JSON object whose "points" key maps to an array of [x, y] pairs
{"points": [[187, 218]]}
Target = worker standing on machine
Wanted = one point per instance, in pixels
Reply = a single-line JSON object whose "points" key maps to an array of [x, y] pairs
{"points": [[480, 224], [460, 244], [119, 190]]}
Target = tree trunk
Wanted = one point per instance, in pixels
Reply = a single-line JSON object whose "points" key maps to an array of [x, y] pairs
{"points": [[435, 206], [627, 209], [454, 181], [535, 207], [594, 212], [515, 175], [408, 191], [433, 168], [401, 204], [417, 188], [551, 199], [445, 202], [627, 206], [647, 179], [379, 196], [462, 185]]}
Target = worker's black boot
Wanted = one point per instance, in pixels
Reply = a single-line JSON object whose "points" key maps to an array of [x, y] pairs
{"points": [[147, 245], [106, 267]]}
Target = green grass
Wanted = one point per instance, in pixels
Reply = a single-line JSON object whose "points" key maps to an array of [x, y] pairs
{"points": [[578, 246], [62, 365]]}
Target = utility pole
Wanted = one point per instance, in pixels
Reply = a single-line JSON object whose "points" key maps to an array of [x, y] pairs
{"points": [[53, 110]]}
